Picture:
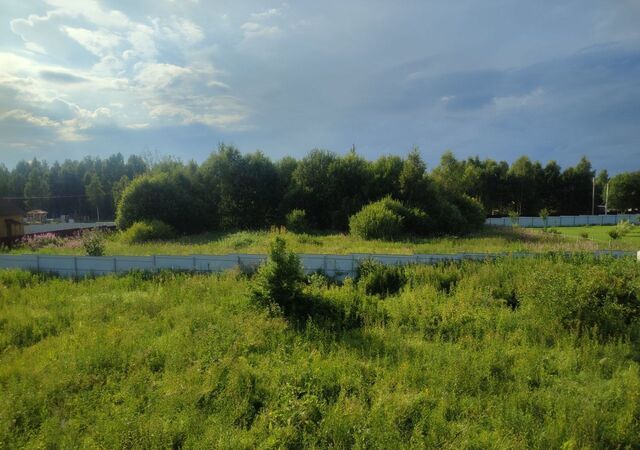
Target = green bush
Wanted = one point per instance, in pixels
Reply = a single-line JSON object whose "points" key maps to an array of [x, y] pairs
{"points": [[170, 198], [472, 212], [147, 231], [614, 234], [414, 220], [379, 279], [296, 221], [93, 242], [376, 221], [278, 283]]}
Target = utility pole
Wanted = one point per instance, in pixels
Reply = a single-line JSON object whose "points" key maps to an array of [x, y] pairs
{"points": [[98, 213], [593, 196]]}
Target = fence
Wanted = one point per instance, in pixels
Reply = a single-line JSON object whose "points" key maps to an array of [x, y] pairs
{"points": [[564, 221], [337, 266], [54, 227]]}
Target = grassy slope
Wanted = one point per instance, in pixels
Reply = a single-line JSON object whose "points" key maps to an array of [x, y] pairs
{"points": [[490, 240], [188, 361]]}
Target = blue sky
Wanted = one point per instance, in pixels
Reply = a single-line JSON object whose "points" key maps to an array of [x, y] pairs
{"points": [[498, 79]]}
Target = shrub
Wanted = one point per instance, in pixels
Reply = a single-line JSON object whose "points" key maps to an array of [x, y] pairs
{"points": [[170, 198], [624, 227], [584, 235], [544, 215], [472, 212], [147, 231], [415, 221], [296, 221], [376, 221], [379, 279], [93, 242], [515, 217], [614, 234], [278, 283]]}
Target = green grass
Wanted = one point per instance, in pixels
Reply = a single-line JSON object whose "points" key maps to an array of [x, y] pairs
{"points": [[600, 235], [480, 355], [489, 240]]}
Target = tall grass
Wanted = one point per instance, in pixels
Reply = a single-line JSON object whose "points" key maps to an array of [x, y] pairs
{"points": [[494, 240], [509, 354]]}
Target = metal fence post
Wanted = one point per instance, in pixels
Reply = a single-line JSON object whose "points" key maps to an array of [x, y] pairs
{"points": [[75, 266]]}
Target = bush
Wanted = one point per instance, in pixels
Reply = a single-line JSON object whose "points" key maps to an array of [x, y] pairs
{"points": [[171, 198], [415, 221], [389, 219], [472, 212], [93, 242], [614, 234], [147, 231], [584, 235], [376, 221], [278, 283], [297, 221], [379, 279]]}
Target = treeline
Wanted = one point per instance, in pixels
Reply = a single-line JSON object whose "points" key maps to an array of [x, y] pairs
{"points": [[76, 188], [234, 190]]}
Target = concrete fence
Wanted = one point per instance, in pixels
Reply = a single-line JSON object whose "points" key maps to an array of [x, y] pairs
{"points": [[72, 226], [337, 266], [564, 221]]}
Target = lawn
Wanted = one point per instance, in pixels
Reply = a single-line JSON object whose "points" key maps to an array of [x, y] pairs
{"points": [[494, 240], [600, 235], [477, 355]]}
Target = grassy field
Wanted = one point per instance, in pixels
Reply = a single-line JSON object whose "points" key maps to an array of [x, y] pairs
{"points": [[600, 235], [490, 240], [478, 355]]}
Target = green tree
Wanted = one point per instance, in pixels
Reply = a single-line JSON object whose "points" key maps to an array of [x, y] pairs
{"points": [[624, 191], [95, 192], [36, 188], [278, 283]]}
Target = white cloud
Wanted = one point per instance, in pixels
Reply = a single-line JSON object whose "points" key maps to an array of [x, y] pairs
{"points": [[273, 12], [132, 85], [253, 30], [21, 115], [142, 42], [158, 76], [178, 30], [100, 42], [91, 11]]}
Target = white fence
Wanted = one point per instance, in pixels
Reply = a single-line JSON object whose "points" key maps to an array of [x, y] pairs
{"points": [[564, 221], [51, 227], [337, 266]]}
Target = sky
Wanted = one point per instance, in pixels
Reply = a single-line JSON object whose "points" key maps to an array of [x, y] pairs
{"points": [[498, 79]]}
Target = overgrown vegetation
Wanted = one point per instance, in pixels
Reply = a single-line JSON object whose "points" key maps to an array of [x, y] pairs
{"points": [[470, 355], [297, 221], [93, 242], [151, 230]]}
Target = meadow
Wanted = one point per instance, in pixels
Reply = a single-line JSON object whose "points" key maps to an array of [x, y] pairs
{"points": [[536, 353], [490, 239]]}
